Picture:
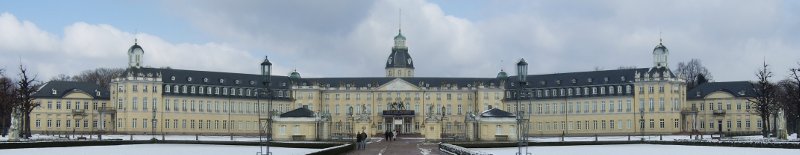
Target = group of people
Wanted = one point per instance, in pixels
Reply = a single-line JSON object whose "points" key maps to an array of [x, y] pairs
{"points": [[390, 135], [361, 138]]}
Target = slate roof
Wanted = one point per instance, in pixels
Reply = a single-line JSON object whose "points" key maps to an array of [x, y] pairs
{"points": [[657, 70], [198, 77], [494, 112], [299, 112], [399, 58], [64, 87], [735, 88], [618, 76], [378, 81]]}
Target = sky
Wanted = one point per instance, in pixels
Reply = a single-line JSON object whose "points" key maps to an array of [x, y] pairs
{"points": [[446, 38]]}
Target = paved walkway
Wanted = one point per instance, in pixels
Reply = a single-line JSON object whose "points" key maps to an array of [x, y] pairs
{"points": [[402, 146]]}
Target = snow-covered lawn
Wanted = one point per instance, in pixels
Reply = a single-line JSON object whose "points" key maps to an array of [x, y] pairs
{"points": [[638, 149], [652, 138], [154, 149], [38, 137]]}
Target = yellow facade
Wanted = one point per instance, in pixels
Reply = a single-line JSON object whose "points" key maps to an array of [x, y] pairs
{"points": [[722, 109], [76, 112]]}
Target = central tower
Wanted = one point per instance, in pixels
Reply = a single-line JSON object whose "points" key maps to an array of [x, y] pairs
{"points": [[399, 63]]}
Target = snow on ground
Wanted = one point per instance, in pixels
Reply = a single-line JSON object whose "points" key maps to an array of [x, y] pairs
{"points": [[650, 138], [139, 149], [637, 149], [181, 137], [38, 137]]}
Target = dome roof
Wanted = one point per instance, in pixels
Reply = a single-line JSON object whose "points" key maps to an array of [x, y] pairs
{"points": [[294, 75], [399, 35], [135, 47], [660, 48], [502, 74]]}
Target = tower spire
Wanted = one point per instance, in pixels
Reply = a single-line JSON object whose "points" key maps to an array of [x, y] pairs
{"points": [[660, 40], [136, 36], [400, 22]]}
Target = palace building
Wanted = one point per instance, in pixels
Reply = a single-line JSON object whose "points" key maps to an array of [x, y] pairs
{"points": [[634, 101]]}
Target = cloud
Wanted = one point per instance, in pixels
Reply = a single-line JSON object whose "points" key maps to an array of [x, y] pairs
{"points": [[353, 39], [87, 46]]}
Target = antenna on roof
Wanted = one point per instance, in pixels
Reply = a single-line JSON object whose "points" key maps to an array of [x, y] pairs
{"points": [[135, 36], [501, 64], [400, 21]]}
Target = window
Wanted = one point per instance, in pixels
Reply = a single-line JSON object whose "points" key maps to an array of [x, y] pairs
{"points": [[661, 123], [498, 130], [652, 105], [135, 104], [652, 123], [628, 109], [611, 124], [676, 123], [661, 104], [758, 124], [144, 104]]}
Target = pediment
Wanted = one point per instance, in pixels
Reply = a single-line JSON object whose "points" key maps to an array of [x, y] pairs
{"points": [[399, 85]]}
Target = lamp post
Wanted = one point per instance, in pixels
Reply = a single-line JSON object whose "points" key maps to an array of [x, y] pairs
{"points": [[266, 73], [522, 75], [352, 124], [443, 134], [641, 121]]}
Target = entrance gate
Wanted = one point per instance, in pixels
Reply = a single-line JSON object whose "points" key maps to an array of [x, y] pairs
{"points": [[399, 119]]}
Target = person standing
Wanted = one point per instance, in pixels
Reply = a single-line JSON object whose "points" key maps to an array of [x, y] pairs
{"points": [[363, 143], [394, 135], [359, 139], [386, 135], [391, 134]]}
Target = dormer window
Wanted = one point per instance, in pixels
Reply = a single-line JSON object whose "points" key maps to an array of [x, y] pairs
{"points": [[574, 81], [605, 79], [697, 94], [252, 83], [741, 92], [205, 80], [542, 83], [589, 80], [189, 79], [54, 92], [237, 82], [172, 78], [97, 93], [558, 82], [221, 80], [622, 78]]}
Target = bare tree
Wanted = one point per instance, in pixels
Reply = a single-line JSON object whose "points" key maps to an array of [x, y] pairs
{"points": [[793, 104], [7, 97], [99, 76], [61, 77], [790, 102], [764, 99], [690, 71], [26, 87]]}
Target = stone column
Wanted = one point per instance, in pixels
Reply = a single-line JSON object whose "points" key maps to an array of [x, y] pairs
{"points": [[432, 129]]}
